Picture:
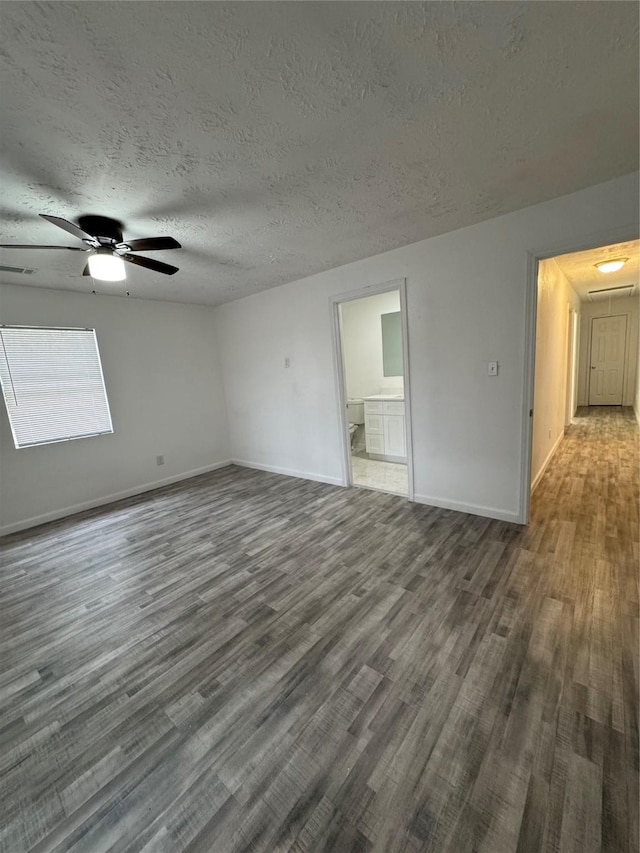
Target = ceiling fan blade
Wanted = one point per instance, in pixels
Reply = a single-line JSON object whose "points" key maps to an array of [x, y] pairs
{"points": [[29, 246], [150, 264], [67, 226], [150, 244]]}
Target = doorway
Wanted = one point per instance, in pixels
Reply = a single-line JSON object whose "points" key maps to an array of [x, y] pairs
{"points": [[373, 390], [573, 335], [584, 333]]}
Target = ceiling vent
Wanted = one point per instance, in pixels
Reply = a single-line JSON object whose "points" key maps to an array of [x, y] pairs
{"points": [[607, 292], [18, 270]]}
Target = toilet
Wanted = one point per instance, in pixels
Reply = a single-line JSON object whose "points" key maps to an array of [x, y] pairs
{"points": [[355, 415]]}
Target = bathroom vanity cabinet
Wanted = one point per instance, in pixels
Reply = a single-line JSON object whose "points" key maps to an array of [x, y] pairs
{"points": [[384, 424]]}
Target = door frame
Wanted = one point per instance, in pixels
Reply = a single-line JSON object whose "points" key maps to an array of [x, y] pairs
{"points": [[625, 366], [399, 284], [533, 258], [573, 357]]}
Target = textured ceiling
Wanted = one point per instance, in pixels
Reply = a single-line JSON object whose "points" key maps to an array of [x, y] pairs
{"points": [[275, 140], [580, 269]]}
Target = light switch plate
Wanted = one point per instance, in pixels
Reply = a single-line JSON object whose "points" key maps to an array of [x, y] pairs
{"points": [[492, 368]]}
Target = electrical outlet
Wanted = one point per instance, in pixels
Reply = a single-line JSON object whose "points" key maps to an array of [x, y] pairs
{"points": [[159, 460], [287, 362]]}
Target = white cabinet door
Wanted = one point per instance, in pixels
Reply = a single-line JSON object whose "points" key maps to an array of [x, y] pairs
{"points": [[394, 437]]}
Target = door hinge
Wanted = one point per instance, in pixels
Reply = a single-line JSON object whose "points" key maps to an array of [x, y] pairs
{"points": [[530, 413]]}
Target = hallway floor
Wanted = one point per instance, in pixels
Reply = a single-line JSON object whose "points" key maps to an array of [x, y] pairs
{"points": [[250, 662]]}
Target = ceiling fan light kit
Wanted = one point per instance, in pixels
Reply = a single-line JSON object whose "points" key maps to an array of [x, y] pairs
{"points": [[106, 266], [103, 239]]}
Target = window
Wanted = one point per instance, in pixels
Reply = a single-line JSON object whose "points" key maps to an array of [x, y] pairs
{"points": [[52, 384]]}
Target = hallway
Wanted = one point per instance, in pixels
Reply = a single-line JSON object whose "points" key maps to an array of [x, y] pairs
{"points": [[584, 533], [251, 661]]}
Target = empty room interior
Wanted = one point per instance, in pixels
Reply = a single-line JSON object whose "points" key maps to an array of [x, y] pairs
{"points": [[319, 516]]}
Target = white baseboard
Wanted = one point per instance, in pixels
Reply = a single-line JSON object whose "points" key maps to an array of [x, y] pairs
{"points": [[586, 405], [288, 472], [472, 509], [637, 413], [54, 515], [545, 464]]}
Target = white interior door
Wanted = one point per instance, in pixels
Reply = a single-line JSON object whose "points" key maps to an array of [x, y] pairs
{"points": [[608, 339]]}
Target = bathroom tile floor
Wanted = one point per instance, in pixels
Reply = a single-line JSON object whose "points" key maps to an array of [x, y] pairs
{"points": [[385, 476]]}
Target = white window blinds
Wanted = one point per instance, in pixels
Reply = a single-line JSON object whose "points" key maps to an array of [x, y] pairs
{"points": [[52, 384]]}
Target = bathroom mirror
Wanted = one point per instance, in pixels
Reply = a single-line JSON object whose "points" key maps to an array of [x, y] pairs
{"points": [[391, 344]]}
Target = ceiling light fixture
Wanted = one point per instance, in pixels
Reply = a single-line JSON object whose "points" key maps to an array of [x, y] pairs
{"points": [[105, 266], [611, 266]]}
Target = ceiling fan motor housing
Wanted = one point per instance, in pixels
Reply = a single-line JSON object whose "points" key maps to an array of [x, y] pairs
{"points": [[102, 226]]}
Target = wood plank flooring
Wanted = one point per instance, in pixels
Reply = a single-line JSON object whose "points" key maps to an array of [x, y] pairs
{"points": [[248, 662]]}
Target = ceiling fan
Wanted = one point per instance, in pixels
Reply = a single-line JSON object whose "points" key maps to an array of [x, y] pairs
{"points": [[106, 247]]}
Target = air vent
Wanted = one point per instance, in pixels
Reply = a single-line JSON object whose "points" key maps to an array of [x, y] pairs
{"points": [[607, 292], [18, 270]]}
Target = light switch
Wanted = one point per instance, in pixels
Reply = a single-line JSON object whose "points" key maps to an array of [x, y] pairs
{"points": [[287, 362], [492, 368]]}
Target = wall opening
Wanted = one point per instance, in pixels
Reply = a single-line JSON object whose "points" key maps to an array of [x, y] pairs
{"points": [[586, 348], [372, 387]]}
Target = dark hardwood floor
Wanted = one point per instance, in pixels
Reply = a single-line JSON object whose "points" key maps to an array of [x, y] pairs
{"points": [[249, 662]]}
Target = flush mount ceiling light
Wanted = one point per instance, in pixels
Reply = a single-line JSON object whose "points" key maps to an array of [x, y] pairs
{"points": [[611, 266], [105, 266]]}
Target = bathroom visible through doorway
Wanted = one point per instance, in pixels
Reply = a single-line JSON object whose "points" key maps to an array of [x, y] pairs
{"points": [[375, 405]]}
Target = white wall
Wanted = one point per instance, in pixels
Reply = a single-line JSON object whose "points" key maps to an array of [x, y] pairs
{"points": [[555, 297], [163, 381], [602, 308], [362, 344], [466, 294]]}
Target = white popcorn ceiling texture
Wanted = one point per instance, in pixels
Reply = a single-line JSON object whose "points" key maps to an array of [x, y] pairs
{"points": [[276, 140]]}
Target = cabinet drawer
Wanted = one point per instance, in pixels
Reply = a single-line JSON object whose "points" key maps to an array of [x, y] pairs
{"points": [[373, 424], [375, 443], [372, 406], [393, 408]]}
